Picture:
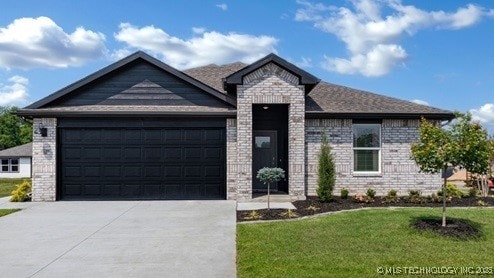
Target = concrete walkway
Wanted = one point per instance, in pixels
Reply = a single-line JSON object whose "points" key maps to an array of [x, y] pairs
{"points": [[119, 239]]}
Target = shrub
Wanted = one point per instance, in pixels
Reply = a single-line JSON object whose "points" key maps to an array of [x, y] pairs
{"points": [[360, 198], [436, 198], [473, 192], [371, 193], [451, 191], [415, 197], [344, 193], [326, 172], [22, 193], [392, 197]]}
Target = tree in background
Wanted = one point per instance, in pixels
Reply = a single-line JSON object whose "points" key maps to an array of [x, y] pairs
{"points": [[14, 130], [326, 172], [464, 144]]}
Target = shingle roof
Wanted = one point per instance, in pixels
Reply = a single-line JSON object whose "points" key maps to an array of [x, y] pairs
{"points": [[327, 98], [331, 98], [25, 150], [212, 75]]}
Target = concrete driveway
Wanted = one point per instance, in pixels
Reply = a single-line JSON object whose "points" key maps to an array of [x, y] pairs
{"points": [[119, 239]]}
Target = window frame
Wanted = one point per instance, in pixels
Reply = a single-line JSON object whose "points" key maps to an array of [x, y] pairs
{"points": [[9, 165], [378, 149]]}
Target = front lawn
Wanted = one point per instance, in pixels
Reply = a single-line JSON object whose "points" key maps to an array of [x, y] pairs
{"points": [[7, 185], [356, 243], [4, 212]]}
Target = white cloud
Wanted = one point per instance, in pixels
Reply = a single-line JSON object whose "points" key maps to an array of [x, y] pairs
{"points": [[304, 63], [222, 6], [40, 42], [372, 30], [14, 93], [377, 62], [419, 101], [198, 30], [205, 48], [484, 114]]}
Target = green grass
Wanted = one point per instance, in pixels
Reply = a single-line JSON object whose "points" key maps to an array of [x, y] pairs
{"points": [[4, 212], [7, 185], [355, 243]]}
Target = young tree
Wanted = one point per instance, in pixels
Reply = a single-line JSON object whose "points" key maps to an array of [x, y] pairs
{"points": [[14, 130], [326, 172], [464, 144], [269, 175]]}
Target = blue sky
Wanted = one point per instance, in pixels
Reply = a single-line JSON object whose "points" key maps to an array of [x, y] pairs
{"points": [[433, 52]]}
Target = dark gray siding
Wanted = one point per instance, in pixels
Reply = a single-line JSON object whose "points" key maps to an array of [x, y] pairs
{"points": [[139, 83]]}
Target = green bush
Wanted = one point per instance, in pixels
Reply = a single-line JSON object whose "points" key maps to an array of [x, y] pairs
{"points": [[415, 197], [326, 172], [451, 191], [269, 175], [392, 197], [344, 193], [22, 193], [473, 192], [371, 193]]}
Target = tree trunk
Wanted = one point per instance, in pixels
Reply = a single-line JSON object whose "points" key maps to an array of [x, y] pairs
{"points": [[444, 196]]}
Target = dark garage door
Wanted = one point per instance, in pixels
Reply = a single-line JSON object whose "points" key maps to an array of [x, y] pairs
{"points": [[142, 163]]}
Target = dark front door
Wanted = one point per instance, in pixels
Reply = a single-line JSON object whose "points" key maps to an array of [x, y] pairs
{"points": [[264, 152]]}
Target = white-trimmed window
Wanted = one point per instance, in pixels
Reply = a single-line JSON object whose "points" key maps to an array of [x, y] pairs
{"points": [[9, 165], [367, 148]]}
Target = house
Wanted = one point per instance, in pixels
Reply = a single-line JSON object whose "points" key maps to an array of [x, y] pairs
{"points": [[16, 161], [140, 129]]}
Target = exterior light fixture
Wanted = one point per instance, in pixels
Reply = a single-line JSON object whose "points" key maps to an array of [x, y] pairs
{"points": [[265, 107]]}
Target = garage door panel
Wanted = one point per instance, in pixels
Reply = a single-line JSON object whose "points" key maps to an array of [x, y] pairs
{"points": [[142, 163], [113, 136], [152, 171], [132, 153], [92, 171], [132, 136], [111, 190], [133, 171], [72, 153], [91, 135], [92, 190], [72, 172], [112, 171], [112, 154], [91, 153], [173, 171], [173, 154]]}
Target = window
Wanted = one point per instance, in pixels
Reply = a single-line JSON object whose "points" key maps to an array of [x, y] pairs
{"points": [[367, 148], [263, 142], [10, 165]]}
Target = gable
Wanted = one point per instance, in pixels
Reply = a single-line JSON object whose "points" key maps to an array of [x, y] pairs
{"points": [[138, 83]]}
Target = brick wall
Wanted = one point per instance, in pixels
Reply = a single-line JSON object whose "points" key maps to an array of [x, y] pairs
{"points": [[44, 160], [398, 171], [269, 84]]}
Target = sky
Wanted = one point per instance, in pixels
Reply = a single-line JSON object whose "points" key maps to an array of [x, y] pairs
{"points": [[438, 53]]}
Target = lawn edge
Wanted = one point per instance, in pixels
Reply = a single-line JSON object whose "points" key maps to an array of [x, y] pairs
{"points": [[349, 210]]}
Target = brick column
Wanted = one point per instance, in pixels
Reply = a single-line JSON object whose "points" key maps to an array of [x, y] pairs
{"points": [[44, 160]]}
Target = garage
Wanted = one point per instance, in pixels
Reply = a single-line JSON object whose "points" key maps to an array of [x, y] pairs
{"points": [[141, 158]]}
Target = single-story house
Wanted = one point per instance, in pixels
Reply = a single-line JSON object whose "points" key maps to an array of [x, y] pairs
{"points": [[141, 129], [16, 161]]}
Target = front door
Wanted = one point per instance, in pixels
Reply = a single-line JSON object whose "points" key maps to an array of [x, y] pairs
{"points": [[264, 152]]}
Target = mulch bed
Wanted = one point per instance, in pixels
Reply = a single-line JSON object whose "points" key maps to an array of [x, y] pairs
{"points": [[456, 228], [313, 206]]}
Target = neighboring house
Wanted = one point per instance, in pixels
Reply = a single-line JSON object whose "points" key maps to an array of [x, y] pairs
{"points": [[140, 129], [16, 161]]}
